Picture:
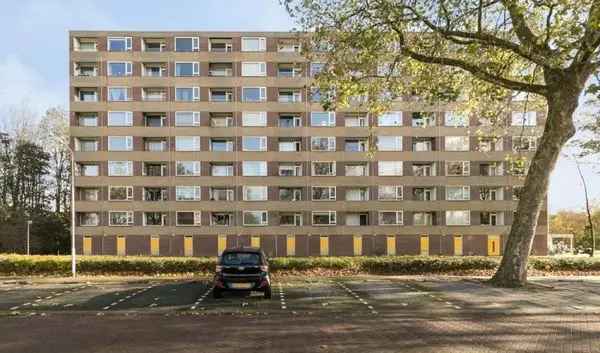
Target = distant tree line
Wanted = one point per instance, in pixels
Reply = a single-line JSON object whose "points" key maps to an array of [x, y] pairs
{"points": [[34, 181]]}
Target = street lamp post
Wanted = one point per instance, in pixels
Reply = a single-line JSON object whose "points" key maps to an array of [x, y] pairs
{"points": [[28, 225]]}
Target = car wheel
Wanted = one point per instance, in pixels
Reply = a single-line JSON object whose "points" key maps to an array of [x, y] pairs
{"points": [[268, 292], [217, 293]]}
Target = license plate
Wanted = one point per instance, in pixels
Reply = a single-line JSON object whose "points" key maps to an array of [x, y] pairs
{"points": [[241, 285]]}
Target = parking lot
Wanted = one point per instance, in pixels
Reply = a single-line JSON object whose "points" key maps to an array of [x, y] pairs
{"points": [[306, 314]]}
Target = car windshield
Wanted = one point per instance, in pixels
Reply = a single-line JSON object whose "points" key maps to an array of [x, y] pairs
{"points": [[241, 259]]}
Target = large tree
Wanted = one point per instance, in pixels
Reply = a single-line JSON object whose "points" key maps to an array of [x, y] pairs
{"points": [[476, 52]]}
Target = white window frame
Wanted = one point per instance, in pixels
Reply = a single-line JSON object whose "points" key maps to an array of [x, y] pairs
{"points": [[330, 119], [128, 192], [449, 221], [332, 192], [455, 146], [195, 143], [197, 218], [195, 43], [465, 192], [128, 143], [196, 189], [262, 44], [396, 114], [330, 143], [399, 166], [96, 220], [528, 118], [260, 175], [332, 215], [195, 68], [264, 192], [399, 217], [364, 166], [361, 189], [260, 119], [129, 168], [195, 168], [334, 168], [296, 168], [128, 118], [264, 218], [260, 65], [262, 142], [194, 115], [356, 121], [531, 141], [229, 168], [427, 219], [396, 187], [128, 68], [128, 42], [455, 119], [127, 98], [129, 222], [195, 94], [262, 94], [397, 143], [466, 168]]}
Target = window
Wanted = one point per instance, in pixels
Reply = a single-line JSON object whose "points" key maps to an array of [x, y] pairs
{"points": [[155, 219], [458, 218], [487, 193], [359, 169], [221, 219], [254, 69], [154, 94], [423, 119], [388, 218], [120, 193], [424, 169], [221, 95], [154, 70], [254, 143], [322, 119], [86, 144], [119, 44], [289, 95], [290, 219], [254, 118], [220, 69], [324, 218], [323, 143], [154, 120], [491, 218], [292, 169], [323, 193], [120, 143], [154, 169], [524, 143], [489, 144], [87, 95], [187, 193], [187, 94], [390, 192], [390, 119], [389, 168], [88, 119], [357, 219], [89, 170], [289, 121], [389, 143], [187, 168], [293, 144], [357, 194], [156, 194], [120, 119], [288, 46], [187, 68], [187, 44], [356, 145], [254, 94], [255, 193], [187, 143], [424, 194], [221, 194], [491, 169], [423, 218], [221, 145], [221, 170], [255, 218], [254, 168], [456, 143], [120, 168], [458, 193], [524, 119], [89, 219], [118, 94], [422, 144], [289, 70], [458, 168], [88, 194], [316, 68], [254, 44], [85, 44], [356, 120], [154, 45], [122, 68], [220, 45], [290, 194], [456, 119], [323, 168], [188, 218], [187, 118], [120, 218], [221, 120]]}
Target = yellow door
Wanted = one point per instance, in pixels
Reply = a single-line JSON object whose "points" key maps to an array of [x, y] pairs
{"points": [[493, 245], [87, 245], [324, 245], [255, 241], [391, 245], [120, 245], [357, 245], [290, 245], [221, 244], [188, 245], [424, 245], [154, 245], [458, 245]]}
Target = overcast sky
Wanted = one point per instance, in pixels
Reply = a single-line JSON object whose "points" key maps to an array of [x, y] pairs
{"points": [[34, 53]]}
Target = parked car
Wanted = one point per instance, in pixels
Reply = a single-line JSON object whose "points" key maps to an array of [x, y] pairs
{"points": [[242, 269]]}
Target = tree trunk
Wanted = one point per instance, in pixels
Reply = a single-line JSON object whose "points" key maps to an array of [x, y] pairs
{"points": [[558, 129]]}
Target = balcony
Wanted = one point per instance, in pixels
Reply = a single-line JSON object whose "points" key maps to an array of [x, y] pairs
{"points": [[289, 70], [289, 121], [289, 96], [221, 120], [85, 44], [220, 69], [221, 145], [155, 120], [85, 69], [356, 145], [156, 194], [423, 119], [423, 144], [154, 169], [154, 94], [221, 95], [154, 69], [220, 45], [221, 194], [289, 46], [156, 144], [86, 95], [225, 219], [424, 194], [154, 45], [86, 144], [357, 219]]}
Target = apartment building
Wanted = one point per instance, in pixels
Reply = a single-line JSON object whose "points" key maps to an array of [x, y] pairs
{"points": [[190, 142]]}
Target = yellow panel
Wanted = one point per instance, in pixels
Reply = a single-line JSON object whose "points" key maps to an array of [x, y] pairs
{"points": [[424, 245], [391, 245], [255, 241], [87, 245], [458, 245], [493, 245], [221, 244], [188, 245], [121, 245], [357, 246], [324, 245], [154, 246], [291, 245]]}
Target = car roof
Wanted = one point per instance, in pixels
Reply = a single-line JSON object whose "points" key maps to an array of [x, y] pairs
{"points": [[243, 249]]}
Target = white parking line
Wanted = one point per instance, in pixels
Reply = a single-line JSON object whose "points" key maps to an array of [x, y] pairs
{"points": [[134, 294], [201, 298], [48, 297], [356, 296], [281, 297]]}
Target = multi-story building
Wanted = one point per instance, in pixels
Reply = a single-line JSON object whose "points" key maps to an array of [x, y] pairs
{"points": [[189, 142]]}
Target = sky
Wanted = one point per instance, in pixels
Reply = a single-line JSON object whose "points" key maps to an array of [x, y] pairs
{"points": [[34, 54]]}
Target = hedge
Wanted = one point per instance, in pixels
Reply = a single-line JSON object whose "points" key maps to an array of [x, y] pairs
{"points": [[107, 265]]}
